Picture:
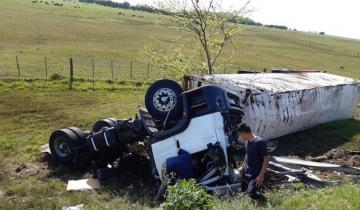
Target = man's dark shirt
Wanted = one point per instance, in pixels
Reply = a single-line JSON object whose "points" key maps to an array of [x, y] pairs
{"points": [[255, 152]]}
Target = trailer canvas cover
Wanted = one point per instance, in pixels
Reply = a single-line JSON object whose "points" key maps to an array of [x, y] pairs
{"points": [[283, 103]]}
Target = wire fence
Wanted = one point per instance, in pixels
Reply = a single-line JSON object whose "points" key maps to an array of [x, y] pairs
{"points": [[319, 46], [87, 68]]}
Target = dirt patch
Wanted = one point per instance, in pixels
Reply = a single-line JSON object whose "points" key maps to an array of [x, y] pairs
{"points": [[331, 175], [20, 168], [339, 156], [30, 169], [130, 176], [354, 161]]}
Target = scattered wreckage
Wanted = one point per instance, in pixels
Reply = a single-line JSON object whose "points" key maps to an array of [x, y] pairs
{"points": [[202, 121]]}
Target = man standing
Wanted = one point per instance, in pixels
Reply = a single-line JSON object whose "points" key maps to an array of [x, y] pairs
{"points": [[255, 163]]}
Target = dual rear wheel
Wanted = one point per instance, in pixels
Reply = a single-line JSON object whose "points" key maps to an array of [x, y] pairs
{"points": [[63, 141], [162, 101]]}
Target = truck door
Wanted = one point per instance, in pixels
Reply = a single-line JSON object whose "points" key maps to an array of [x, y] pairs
{"points": [[162, 150]]}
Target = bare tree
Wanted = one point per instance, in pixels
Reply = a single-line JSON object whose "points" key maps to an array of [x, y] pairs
{"points": [[172, 61], [210, 25]]}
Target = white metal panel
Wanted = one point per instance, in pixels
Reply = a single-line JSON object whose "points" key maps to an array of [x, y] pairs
{"points": [[220, 134], [200, 132], [285, 103], [162, 150], [275, 82]]}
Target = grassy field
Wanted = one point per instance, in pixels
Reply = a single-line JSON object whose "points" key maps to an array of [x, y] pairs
{"points": [[35, 30], [30, 110]]}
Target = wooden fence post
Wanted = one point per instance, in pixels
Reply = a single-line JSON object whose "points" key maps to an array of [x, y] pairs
{"points": [[112, 73], [147, 71], [71, 74], [131, 70], [18, 66], [93, 73], [46, 68]]}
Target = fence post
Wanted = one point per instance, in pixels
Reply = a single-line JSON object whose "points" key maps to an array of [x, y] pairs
{"points": [[18, 66], [131, 70], [147, 71], [71, 73], [46, 68], [112, 73], [93, 73]]}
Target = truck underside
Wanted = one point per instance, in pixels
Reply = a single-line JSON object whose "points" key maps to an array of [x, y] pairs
{"points": [[201, 121]]}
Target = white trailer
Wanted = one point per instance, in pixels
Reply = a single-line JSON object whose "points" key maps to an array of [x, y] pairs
{"points": [[283, 103]]}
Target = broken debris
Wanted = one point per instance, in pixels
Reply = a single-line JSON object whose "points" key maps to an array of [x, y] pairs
{"points": [[83, 184], [291, 168], [319, 165], [77, 207], [45, 149]]}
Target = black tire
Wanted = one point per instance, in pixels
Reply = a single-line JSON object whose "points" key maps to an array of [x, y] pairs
{"points": [[161, 96], [79, 133], [113, 120], [61, 143], [109, 122]]}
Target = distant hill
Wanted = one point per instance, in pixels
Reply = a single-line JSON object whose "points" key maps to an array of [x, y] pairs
{"points": [[33, 30], [147, 8]]}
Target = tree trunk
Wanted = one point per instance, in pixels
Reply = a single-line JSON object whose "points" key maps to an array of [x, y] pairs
{"points": [[210, 69], [208, 56]]}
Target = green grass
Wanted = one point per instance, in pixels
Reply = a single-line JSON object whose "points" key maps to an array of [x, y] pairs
{"points": [[31, 109], [339, 197], [27, 117], [28, 114], [78, 84], [344, 134]]}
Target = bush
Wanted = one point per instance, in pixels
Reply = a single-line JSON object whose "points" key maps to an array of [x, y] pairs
{"points": [[187, 195]]}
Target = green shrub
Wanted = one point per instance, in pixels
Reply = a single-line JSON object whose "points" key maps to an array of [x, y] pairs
{"points": [[187, 195]]}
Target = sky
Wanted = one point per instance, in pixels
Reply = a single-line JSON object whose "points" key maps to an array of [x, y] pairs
{"points": [[334, 17]]}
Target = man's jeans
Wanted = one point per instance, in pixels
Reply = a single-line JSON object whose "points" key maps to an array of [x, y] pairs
{"points": [[248, 185]]}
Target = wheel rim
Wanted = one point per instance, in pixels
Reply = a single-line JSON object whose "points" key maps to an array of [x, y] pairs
{"points": [[164, 99], [62, 149]]}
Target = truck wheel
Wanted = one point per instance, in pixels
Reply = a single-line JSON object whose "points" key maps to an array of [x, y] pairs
{"points": [[109, 122], [163, 96], [61, 143], [79, 133]]}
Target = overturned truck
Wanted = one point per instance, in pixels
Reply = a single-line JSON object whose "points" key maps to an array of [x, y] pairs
{"points": [[202, 119]]}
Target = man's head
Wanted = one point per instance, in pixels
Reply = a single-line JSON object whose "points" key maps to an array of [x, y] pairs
{"points": [[245, 133]]}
